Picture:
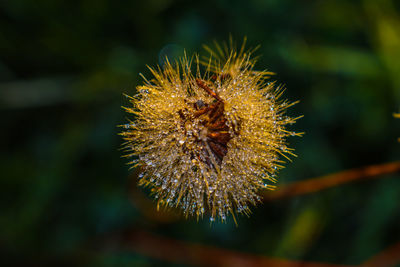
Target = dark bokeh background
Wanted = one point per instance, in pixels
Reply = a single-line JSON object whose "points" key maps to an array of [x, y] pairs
{"points": [[64, 66]]}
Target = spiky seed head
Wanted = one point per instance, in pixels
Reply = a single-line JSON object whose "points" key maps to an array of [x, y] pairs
{"points": [[207, 143]]}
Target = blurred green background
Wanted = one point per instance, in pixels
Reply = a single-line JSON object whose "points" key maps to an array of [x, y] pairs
{"points": [[64, 66]]}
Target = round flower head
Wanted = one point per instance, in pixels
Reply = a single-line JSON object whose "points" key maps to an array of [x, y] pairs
{"points": [[207, 143]]}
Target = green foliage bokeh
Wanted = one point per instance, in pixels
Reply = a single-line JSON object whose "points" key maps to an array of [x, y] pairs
{"points": [[64, 66]]}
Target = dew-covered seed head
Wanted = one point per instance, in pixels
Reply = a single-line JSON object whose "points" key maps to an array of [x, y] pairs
{"points": [[207, 143]]}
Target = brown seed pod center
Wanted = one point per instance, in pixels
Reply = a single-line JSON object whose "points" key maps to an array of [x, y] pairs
{"points": [[215, 134]]}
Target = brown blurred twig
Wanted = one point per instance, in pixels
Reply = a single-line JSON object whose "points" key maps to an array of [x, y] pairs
{"points": [[284, 191], [175, 251], [389, 257], [331, 180], [171, 250]]}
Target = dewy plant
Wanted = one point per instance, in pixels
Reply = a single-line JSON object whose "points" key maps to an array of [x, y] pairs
{"points": [[207, 142]]}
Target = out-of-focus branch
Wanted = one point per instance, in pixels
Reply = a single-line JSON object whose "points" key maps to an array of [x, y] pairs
{"points": [[389, 257], [175, 251], [285, 191], [328, 181]]}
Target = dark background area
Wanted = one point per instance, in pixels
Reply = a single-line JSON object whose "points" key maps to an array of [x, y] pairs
{"points": [[64, 66]]}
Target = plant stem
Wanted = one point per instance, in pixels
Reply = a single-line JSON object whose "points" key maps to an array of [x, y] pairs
{"points": [[327, 181]]}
